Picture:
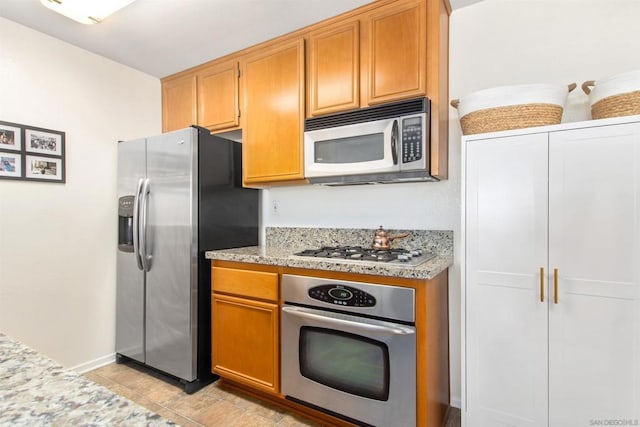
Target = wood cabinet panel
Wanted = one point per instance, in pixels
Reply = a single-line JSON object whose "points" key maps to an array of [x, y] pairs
{"points": [[438, 84], [334, 68], [179, 99], [273, 106], [218, 96], [245, 341], [252, 284], [397, 52], [385, 51], [432, 358]]}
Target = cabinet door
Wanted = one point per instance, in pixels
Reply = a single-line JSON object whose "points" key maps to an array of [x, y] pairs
{"points": [[218, 96], [506, 311], [594, 238], [245, 344], [397, 52], [274, 107], [334, 69], [179, 103]]}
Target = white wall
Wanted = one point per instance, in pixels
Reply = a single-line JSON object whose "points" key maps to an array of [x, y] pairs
{"points": [[57, 241], [492, 43]]}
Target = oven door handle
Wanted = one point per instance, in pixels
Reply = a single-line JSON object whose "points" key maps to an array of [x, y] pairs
{"points": [[390, 330]]}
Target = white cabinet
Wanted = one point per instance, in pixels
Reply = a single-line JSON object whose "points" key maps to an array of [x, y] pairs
{"points": [[551, 276], [506, 245]]}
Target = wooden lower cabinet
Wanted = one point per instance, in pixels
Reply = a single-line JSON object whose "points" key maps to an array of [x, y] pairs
{"points": [[245, 341], [246, 335], [245, 345]]}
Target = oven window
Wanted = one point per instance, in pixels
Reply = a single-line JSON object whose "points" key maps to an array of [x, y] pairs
{"points": [[347, 362], [353, 149]]}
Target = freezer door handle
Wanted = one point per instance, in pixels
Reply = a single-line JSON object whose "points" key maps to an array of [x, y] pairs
{"points": [[144, 208], [136, 225]]}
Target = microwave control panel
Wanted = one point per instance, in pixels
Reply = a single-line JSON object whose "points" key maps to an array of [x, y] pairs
{"points": [[341, 295], [411, 139]]}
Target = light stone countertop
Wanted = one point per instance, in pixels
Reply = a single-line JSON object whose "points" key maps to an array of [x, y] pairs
{"points": [[279, 256], [36, 391]]}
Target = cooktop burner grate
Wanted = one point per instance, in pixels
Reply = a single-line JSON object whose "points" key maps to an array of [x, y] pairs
{"points": [[358, 253]]}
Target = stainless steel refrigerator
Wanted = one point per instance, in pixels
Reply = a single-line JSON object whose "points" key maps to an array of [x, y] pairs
{"points": [[179, 195]]}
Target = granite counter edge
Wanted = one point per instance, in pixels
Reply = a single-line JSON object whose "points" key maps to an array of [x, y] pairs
{"points": [[428, 270]]}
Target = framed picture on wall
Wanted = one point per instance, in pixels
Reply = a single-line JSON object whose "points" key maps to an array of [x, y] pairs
{"points": [[31, 153], [10, 136], [44, 142], [10, 165], [44, 168]]}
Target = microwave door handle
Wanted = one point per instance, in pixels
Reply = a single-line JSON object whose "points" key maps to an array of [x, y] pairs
{"points": [[367, 327], [394, 142]]}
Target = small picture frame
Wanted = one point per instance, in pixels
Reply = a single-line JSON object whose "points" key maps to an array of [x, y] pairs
{"points": [[10, 165], [44, 168], [44, 141], [10, 136]]}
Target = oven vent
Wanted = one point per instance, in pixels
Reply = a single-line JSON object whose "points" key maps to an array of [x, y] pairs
{"points": [[397, 109]]}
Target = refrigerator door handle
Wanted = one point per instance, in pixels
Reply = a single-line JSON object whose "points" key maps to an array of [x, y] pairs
{"points": [[144, 202], [136, 225]]}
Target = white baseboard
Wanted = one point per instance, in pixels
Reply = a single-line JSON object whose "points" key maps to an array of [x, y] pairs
{"points": [[94, 364], [456, 402]]}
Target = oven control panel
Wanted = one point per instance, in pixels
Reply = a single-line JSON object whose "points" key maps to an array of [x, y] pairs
{"points": [[342, 295]]}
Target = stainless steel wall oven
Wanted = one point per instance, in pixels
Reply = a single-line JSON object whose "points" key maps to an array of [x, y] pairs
{"points": [[349, 349]]}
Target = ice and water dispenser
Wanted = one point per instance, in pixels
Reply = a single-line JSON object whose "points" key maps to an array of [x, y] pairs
{"points": [[125, 223]]}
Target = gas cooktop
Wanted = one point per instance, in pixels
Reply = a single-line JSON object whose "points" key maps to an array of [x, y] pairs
{"points": [[411, 257]]}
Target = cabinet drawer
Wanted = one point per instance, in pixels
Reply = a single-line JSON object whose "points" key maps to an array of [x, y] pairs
{"points": [[252, 284]]}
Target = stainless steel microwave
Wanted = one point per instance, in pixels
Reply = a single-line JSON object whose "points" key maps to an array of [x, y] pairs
{"points": [[387, 143]]}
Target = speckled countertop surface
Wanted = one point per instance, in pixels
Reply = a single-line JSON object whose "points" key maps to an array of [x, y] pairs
{"points": [[282, 243], [36, 391]]}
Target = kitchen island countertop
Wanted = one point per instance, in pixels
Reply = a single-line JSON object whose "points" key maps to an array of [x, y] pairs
{"points": [[278, 256], [36, 391]]}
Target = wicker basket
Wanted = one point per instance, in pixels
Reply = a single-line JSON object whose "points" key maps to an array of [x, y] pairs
{"points": [[615, 96], [511, 107]]}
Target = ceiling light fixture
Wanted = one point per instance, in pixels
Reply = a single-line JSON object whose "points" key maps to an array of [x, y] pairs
{"points": [[86, 11]]}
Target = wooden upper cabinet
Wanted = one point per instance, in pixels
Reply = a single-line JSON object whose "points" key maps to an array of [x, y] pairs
{"points": [[378, 56], [395, 43], [386, 51], [334, 69], [179, 103], [218, 96], [273, 88]]}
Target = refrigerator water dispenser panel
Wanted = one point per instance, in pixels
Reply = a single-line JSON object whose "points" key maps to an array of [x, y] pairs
{"points": [[125, 223]]}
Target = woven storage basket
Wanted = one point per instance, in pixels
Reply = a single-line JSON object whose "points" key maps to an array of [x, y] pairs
{"points": [[614, 96], [511, 107]]}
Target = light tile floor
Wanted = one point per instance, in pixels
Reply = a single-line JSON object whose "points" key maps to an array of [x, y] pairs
{"points": [[213, 406]]}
